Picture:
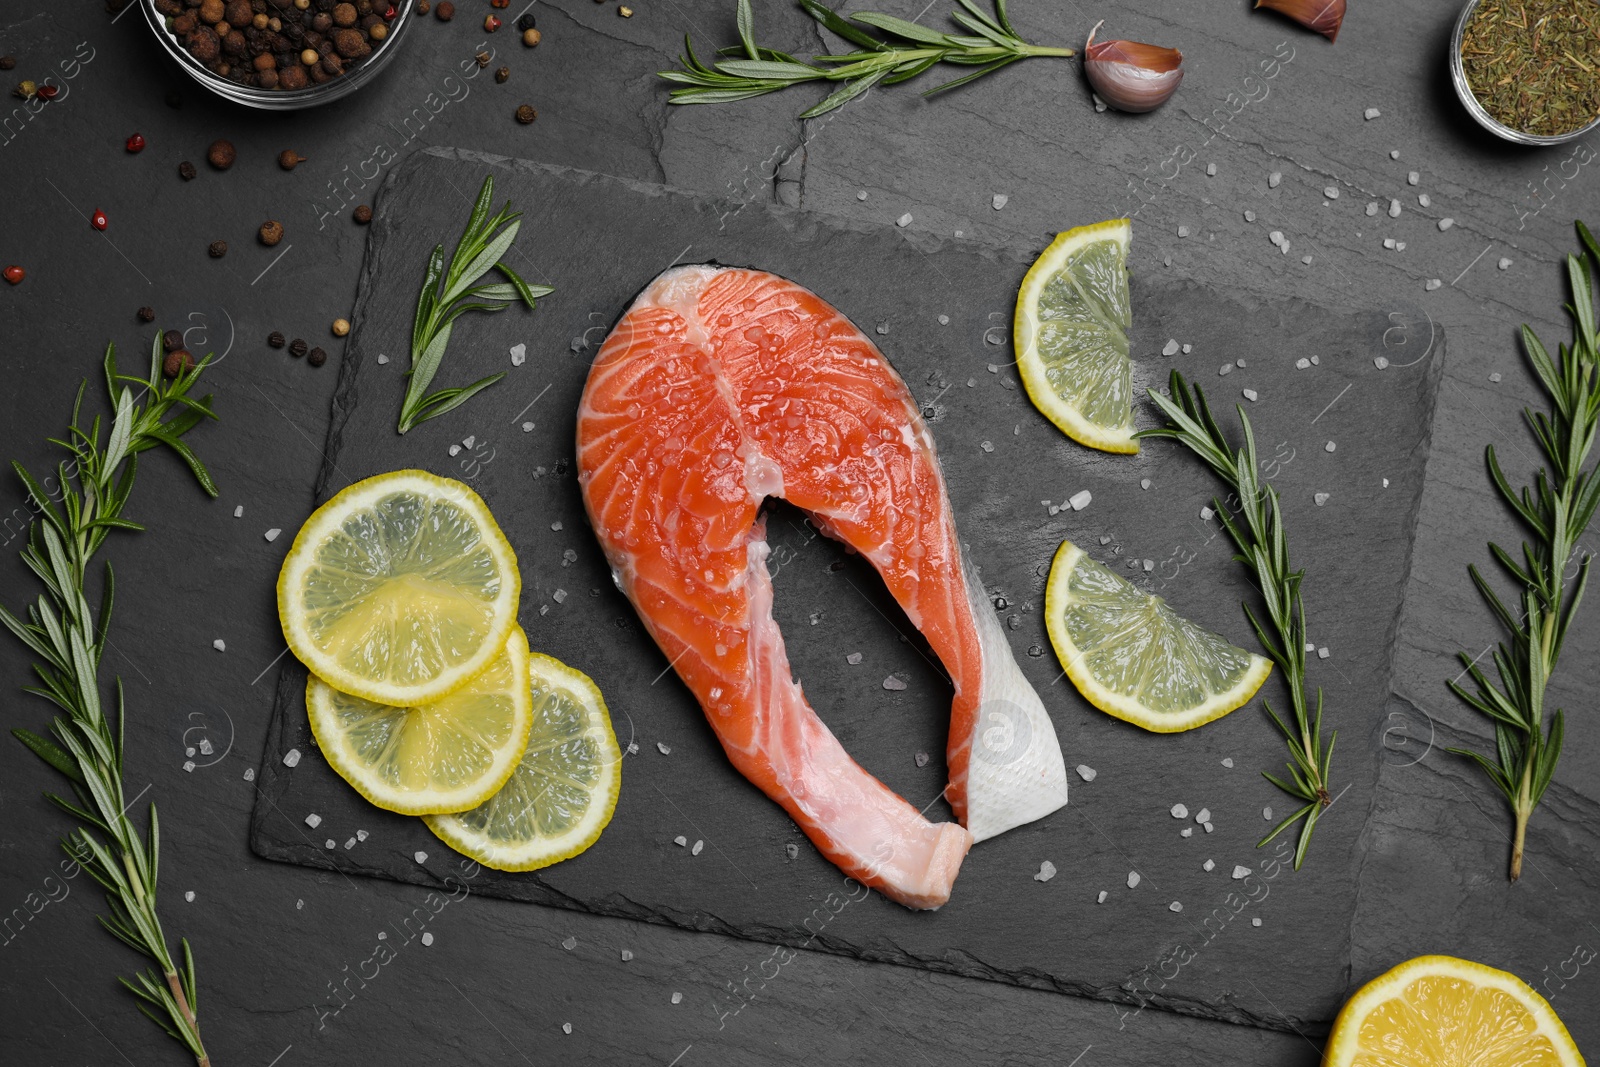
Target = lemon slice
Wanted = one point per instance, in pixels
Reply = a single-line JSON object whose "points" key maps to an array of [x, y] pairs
{"points": [[449, 755], [1073, 314], [1438, 1011], [399, 589], [561, 794], [1133, 657]]}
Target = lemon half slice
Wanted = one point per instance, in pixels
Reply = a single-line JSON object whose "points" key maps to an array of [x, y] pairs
{"points": [[562, 792], [449, 755], [1071, 330], [1133, 657], [399, 589], [1439, 1011]]}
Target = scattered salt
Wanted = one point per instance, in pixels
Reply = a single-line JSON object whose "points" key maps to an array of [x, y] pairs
{"points": [[1432, 284], [1206, 513], [527, 427], [921, 759], [1204, 816], [677, 998], [362, 835], [1211, 170], [698, 846], [556, 526], [420, 857], [1266, 813], [853, 658], [291, 757], [1209, 827], [188, 894], [1047, 871], [1187, 348], [903, 220], [1133, 879], [1208, 865], [330, 844], [238, 511], [1306, 260], [1255, 922], [1241, 871], [313, 820], [382, 359], [1372, 207], [1171, 347], [559, 595], [1371, 113], [350, 844], [882, 328], [1276, 237], [1380, 362], [893, 684], [455, 450], [1086, 772], [1505, 263], [1322, 653], [1302, 363], [1388, 242], [1331, 192], [1183, 231], [792, 851], [519, 352], [1495, 377], [1274, 180], [249, 774], [987, 446], [999, 201], [1099, 104], [1101, 899], [1080, 499], [666, 749], [1250, 395], [1394, 209], [1144, 483], [1249, 216], [681, 841], [944, 320], [627, 954], [1423, 200], [1226, 368], [1399, 246], [272, 534], [1179, 811], [566, 1028], [1329, 447], [1227, 761], [1320, 498], [220, 645], [1394, 153], [1446, 223]]}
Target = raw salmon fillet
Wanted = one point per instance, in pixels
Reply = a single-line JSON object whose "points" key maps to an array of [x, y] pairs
{"points": [[721, 387]]}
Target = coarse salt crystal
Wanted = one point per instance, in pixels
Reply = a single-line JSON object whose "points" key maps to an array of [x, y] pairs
{"points": [[291, 757], [1322, 653], [427, 938], [1208, 865], [1320, 498], [1266, 813], [559, 595], [220, 645], [272, 534], [382, 359], [1204, 816], [1241, 871], [666, 749], [330, 844], [1505, 263], [1226, 368], [527, 427], [1276, 237], [1170, 348], [1179, 811], [566, 1028], [853, 658], [862, 195], [1302, 363], [455, 450], [1388, 242], [1329, 447], [188, 894], [999, 201], [1047, 871], [350, 844], [1249, 216], [1399, 246], [1424, 200], [1080, 499], [1306, 260], [313, 820], [1211, 170], [1133, 879], [1331, 192], [362, 835], [944, 320], [1183, 231], [249, 774], [1187, 348], [1394, 209], [1187, 831], [920, 759], [987, 446], [1380, 362], [1284, 248], [519, 352], [1371, 113], [894, 684], [1495, 377], [1175, 906], [238, 511], [1446, 223], [1086, 772], [677, 998], [1250, 395], [1274, 179], [1255, 922], [1432, 284], [903, 220], [1394, 153], [698, 845], [627, 954], [1206, 513], [1209, 827], [1227, 761], [1414, 178], [681, 841], [1101, 898], [1372, 207], [1149, 565]]}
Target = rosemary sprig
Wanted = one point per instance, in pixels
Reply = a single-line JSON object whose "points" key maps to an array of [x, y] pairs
{"points": [[906, 50], [1255, 526], [1556, 510], [447, 294], [69, 640]]}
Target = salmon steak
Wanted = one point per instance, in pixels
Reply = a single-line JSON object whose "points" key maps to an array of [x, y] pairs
{"points": [[719, 388]]}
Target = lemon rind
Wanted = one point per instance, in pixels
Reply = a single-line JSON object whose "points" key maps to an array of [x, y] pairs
{"points": [[1065, 417], [332, 744], [1057, 600], [323, 521], [538, 854], [1344, 1043]]}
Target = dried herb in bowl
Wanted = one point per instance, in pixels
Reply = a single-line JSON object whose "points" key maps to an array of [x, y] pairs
{"points": [[1534, 65]]}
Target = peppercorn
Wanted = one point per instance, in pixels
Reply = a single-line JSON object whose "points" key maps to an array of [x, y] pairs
{"points": [[48, 91], [171, 341], [341, 327], [502, 75], [289, 159], [526, 114], [625, 12], [422, 7], [483, 59], [177, 361], [25, 89], [490, 24], [378, 32], [147, 314], [186, 171], [344, 14], [531, 38], [275, 339], [362, 214], [499, 3], [221, 154], [317, 357], [8, 62], [14, 274], [98, 219], [525, 23], [217, 249], [445, 11], [135, 143], [271, 232], [297, 348]]}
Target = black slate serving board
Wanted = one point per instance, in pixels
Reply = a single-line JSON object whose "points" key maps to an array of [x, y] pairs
{"points": [[1354, 426]]}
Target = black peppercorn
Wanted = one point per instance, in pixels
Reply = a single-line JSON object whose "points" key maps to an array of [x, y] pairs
{"points": [[297, 348], [317, 357], [525, 23], [502, 75], [275, 339], [445, 11], [186, 171], [289, 159], [526, 114], [177, 361], [147, 314], [362, 214], [221, 154], [217, 249], [172, 340], [8, 62]]}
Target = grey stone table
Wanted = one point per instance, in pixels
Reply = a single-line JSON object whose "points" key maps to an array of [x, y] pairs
{"points": [[278, 944]]}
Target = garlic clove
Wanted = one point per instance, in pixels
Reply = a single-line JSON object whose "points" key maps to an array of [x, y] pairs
{"points": [[1323, 16], [1131, 76]]}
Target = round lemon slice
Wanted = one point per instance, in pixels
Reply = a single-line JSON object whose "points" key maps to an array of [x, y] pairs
{"points": [[1071, 331], [448, 755], [1133, 657], [399, 589], [562, 792], [1439, 1011]]}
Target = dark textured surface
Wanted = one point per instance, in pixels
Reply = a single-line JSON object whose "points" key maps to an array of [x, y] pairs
{"points": [[497, 983], [601, 240]]}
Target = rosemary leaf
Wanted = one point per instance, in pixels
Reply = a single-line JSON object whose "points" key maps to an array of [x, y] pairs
{"points": [[69, 638], [1556, 510]]}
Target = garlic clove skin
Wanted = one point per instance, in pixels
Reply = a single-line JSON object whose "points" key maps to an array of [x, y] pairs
{"points": [[1323, 16], [1130, 76]]}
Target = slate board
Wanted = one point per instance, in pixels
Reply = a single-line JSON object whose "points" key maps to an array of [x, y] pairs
{"points": [[599, 240]]}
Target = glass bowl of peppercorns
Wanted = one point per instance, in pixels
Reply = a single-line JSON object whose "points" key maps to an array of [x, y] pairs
{"points": [[280, 55]]}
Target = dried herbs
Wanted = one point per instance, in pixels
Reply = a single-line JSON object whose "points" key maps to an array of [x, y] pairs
{"points": [[1534, 65]]}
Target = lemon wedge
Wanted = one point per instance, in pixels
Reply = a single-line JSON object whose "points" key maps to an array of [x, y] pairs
{"points": [[448, 755], [1071, 333], [400, 589], [1439, 1011], [562, 792], [1133, 657]]}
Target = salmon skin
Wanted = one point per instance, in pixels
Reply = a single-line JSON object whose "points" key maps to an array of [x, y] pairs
{"points": [[721, 387]]}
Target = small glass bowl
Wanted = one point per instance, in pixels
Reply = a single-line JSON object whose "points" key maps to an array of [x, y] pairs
{"points": [[1458, 75], [284, 99]]}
